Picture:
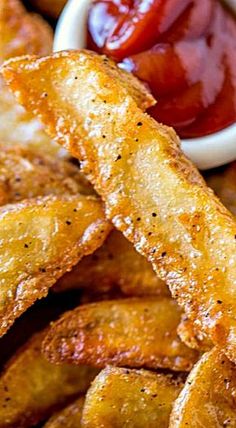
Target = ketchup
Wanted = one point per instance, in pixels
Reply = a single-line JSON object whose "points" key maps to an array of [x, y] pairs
{"points": [[185, 50]]}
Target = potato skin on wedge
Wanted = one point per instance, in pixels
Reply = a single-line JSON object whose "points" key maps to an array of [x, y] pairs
{"points": [[208, 397], [69, 417], [41, 239], [115, 266], [31, 388], [121, 397], [153, 194], [126, 332]]}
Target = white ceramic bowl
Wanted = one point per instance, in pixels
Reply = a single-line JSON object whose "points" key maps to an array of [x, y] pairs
{"points": [[206, 152]]}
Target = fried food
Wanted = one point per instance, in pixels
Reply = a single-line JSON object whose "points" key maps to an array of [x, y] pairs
{"points": [[208, 397], [126, 332], [69, 417], [27, 173], [31, 388], [18, 127], [51, 8], [190, 335], [130, 398], [223, 182], [41, 239], [153, 194], [21, 33], [114, 266]]}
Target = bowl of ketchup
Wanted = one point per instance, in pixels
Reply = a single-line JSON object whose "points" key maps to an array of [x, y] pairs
{"points": [[183, 50]]}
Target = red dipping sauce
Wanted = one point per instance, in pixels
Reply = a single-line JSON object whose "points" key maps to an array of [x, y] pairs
{"points": [[185, 50]]}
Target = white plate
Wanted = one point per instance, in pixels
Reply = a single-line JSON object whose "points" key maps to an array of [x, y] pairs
{"points": [[206, 152]]}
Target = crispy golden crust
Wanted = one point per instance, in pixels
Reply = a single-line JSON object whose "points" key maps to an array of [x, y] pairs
{"points": [[114, 266], [223, 182], [41, 239], [208, 397], [18, 127], [128, 332], [27, 173], [51, 8], [31, 388], [130, 398], [191, 335], [153, 194], [69, 417], [22, 32]]}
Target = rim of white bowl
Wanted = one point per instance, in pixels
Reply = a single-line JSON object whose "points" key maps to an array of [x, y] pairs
{"points": [[206, 152]]}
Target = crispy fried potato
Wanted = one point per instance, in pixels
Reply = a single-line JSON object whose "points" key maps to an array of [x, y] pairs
{"points": [[22, 33], [18, 127], [127, 332], [70, 417], [153, 194], [42, 239], [114, 266], [130, 398], [21, 167], [223, 182], [31, 388], [208, 397], [191, 336], [51, 8], [36, 318]]}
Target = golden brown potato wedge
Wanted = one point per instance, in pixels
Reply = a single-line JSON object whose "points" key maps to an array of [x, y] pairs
{"points": [[153, 194], [114, 266], [223, 182], [121, 397], [36, 318], [208, 397], [31, 388], [51, 8], [69, 417], [21, 33], [27, 173], [42, 239], [126, 332], [18, 127]]}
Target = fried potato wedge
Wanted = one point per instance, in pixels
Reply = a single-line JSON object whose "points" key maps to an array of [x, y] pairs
{"points": [[36, 318], [18, 127], [31, 388], [70, 417], [40, 240], [121, 397], [208, 397], [126, 332], [27, 173], [21, 33], [114, 266], [153, 194], [51, 8], [223, 182]]}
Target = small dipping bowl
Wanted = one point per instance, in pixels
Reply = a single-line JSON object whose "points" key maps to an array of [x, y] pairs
{"points": [[206, 152]]}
